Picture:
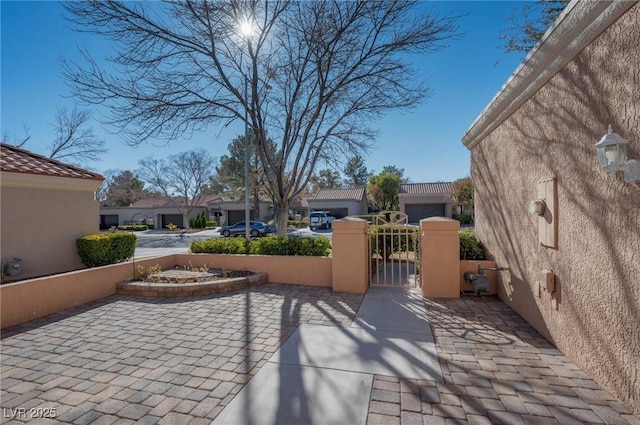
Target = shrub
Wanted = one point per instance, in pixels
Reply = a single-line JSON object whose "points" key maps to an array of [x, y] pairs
{"points": [[271, 245], [134, 227], [221, 246], [199, 222], [470, 247], [463, 218], [212, 223], [277, 245], [172, 226], [298, 224], [106, 248]]}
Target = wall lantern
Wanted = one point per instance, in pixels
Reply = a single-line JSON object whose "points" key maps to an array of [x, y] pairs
{"points": [[612, 155]]}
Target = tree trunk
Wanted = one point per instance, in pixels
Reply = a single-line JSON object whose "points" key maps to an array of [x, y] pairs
{"points": [[185, 219], [282, 218]]}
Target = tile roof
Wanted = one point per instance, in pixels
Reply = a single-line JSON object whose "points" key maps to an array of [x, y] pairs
{"points": [[18, 160], [426, 188], [356, 193]]}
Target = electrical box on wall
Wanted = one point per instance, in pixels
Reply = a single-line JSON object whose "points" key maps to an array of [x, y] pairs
{"points": [[548, 217]]}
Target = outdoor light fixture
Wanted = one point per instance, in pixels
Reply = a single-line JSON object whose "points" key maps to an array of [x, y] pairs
{"points": [[612, 155]]}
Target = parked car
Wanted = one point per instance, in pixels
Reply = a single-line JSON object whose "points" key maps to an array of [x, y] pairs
{"points": [[320, 219], [257, 228]]}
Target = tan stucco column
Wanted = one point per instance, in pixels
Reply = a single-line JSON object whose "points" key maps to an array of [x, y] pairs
{"points": [[440, 257], [350, 255]]}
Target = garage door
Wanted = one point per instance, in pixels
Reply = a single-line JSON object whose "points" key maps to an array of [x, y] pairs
{"points": [[236, 216], [339, 212], [172, 218], [108, 220], [417, 212]]}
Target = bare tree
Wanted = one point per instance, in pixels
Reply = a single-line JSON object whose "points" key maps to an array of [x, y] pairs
{"points": [[7, 136], [528, 22], [75, 141], [311, 76], [181, 178]]}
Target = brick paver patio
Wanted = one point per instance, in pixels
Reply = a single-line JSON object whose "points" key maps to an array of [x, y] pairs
{"points": [[130, 360]]}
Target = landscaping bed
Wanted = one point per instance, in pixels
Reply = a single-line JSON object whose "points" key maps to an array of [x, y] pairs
{"points": [[181, 282]]}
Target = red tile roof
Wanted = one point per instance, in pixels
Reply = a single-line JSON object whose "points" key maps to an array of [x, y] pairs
{"points": [[426, 188], [356, 193], [17, 160]]}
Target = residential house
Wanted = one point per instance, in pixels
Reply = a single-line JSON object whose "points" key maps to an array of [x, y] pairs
{"points": [[568, 232], [230, 211], [157, 212], [340, 202], [423, 200], [45, 206]]}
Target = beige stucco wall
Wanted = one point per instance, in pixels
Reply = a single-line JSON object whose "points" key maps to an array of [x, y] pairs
{"points": [[41, 219], [27, 300], [297, 270], [597, 262]]}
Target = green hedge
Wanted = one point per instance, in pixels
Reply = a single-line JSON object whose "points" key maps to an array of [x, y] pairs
{"points": [[134, 227], [470, 247], [463, 218], [278, 245], [298, 224], [212, 223], [270, 245], [221, 246], [106, 248]]}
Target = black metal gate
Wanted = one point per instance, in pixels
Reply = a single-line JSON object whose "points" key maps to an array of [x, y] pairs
{"points": [[394, 251]]}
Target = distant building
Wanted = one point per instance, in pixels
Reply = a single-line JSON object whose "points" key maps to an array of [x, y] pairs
{"points": [[340, 202], [46, 205], [424, 200]]}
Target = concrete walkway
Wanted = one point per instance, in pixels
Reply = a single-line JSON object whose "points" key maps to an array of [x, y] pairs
{"points": [[125, 360], [323, 375]]}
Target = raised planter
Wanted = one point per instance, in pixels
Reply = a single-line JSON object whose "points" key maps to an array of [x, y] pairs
{"points": [[190, 289]]}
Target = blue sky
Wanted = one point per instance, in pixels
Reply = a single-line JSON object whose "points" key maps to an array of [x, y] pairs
{"points": [[425, 142]]}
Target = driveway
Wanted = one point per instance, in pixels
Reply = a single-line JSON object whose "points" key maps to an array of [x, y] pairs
{"points": [[125, 360]]}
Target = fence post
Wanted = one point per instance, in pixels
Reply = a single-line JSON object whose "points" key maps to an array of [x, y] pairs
{"points": [[350, 255], [440, 257]]}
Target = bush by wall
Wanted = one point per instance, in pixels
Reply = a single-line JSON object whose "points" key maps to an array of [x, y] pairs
{"points": [[212, 223], [221, 246], [470, 247], [277, 245], [106, 248], [271, 245], [463, 218]]}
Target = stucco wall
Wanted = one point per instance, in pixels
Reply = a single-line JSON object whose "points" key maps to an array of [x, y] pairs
{"points": [[40, 226], [597, 262]]}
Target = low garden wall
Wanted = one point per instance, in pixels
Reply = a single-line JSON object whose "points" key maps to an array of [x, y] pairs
{"points": [[33, 298], [296, 270]]}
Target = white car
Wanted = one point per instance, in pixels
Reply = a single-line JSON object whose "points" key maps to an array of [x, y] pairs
{"points": [[321, 219]]}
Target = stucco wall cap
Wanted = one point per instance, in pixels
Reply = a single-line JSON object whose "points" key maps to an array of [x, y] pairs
{"points": [[578, 25], [439, 223], [349, 223]]}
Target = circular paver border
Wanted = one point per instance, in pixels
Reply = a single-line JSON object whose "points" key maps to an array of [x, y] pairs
{"points": [[175, 290]]}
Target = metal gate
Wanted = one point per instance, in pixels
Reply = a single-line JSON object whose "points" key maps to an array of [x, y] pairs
{"points": [[394, 251]]}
